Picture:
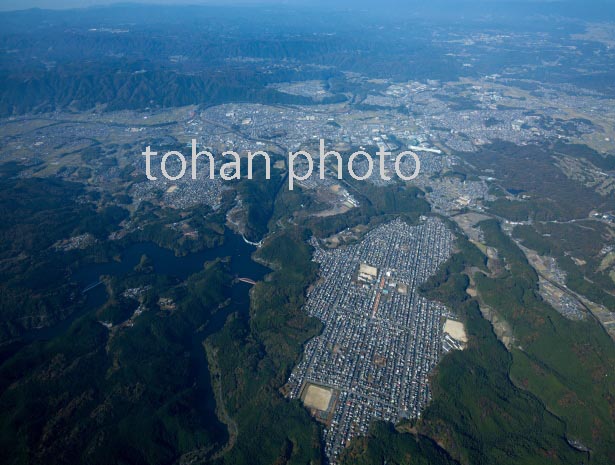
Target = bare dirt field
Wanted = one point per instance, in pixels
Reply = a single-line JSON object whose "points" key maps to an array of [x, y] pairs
{"points": [[317, 397]]}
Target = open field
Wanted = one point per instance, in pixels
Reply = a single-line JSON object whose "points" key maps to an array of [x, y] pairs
{"points": [[456, 330], [317, 397]]}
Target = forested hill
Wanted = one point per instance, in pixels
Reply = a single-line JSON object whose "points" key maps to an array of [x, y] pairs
{"points": [[125, 89]]}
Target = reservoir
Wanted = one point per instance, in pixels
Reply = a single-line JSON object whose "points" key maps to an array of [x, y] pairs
{"points": [[166, 263]]}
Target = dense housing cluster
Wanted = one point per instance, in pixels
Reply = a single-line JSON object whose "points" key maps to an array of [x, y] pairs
{"points": [[381, 337]]}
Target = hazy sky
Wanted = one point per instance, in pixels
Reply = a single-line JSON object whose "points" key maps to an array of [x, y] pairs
{"points": [[23, 4], [7, 5]]}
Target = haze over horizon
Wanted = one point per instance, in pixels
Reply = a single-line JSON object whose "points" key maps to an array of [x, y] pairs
{"points": [[12, 5]]}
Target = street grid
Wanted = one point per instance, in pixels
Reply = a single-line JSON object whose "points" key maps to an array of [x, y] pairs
{"points": [[381, 338]]}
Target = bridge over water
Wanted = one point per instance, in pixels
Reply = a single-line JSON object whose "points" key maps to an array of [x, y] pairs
{"points": [[91, 286]]}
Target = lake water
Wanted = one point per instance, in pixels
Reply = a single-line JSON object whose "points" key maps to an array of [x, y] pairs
{"points": [[166, 263]]}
